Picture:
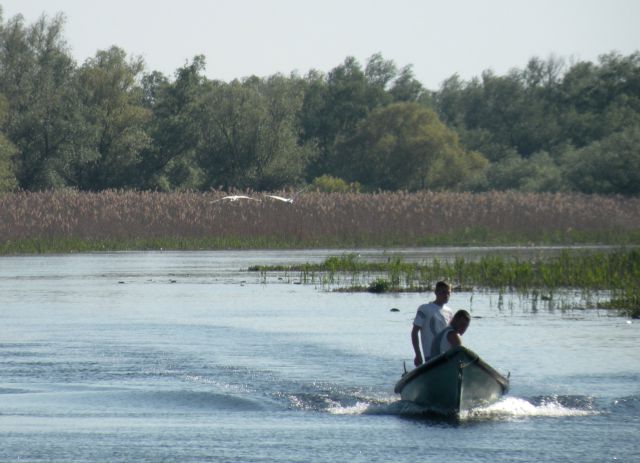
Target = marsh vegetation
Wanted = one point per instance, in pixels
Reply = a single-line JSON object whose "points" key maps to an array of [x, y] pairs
{"points": [[67, 220], [587, 278]]}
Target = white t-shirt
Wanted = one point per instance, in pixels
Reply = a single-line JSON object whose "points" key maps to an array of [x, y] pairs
{"points": [[441, 344], [431, 319]]}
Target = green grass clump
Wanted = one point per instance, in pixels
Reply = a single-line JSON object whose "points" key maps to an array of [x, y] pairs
{"points": [[569, 269], [625, 300], [380, 285]]}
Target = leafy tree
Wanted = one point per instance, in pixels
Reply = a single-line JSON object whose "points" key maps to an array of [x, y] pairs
{"points": [[406, 146], [609, 166], [464, 107], [498, 114], [543, 109], [335, 105], [329, 184], [600, 100], [153, 84], [250, 134], [538, 173], [343, 104], [379, 72], [170, 161], [43, 122], [8, 179], [502, 110], [282, 159], [116, 119], [406, 87]]}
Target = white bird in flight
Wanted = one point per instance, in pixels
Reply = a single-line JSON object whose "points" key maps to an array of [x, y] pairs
{"points": [[286, 200], [280, 198], [235, 198]]}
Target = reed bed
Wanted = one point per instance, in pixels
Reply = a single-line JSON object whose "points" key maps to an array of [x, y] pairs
{"points": [[60, 221]]}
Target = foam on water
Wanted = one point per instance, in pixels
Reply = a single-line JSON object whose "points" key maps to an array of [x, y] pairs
{"points": [[358, 409], [508, 407], [515, 407], [365, 406]]}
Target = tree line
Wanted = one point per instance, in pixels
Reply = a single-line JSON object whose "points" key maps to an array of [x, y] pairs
{"points": [[108, 123]]}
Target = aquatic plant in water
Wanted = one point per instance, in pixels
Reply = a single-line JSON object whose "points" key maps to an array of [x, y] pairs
{"points": [[541, 281]]}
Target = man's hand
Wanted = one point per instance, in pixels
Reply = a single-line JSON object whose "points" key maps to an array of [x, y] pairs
{"points": [[418, 360]]}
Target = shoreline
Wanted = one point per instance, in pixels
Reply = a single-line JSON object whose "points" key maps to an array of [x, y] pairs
{"points": [[65, 245]]}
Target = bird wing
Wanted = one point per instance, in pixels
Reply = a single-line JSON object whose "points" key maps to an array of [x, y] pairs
{"points": [[235, 198], [280, 198]]}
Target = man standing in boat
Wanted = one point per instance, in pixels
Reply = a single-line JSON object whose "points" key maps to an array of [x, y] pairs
{"points": [[430, 320]]}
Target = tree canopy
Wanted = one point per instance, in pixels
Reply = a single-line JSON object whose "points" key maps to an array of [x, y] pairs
{"points": [[111, 123]]}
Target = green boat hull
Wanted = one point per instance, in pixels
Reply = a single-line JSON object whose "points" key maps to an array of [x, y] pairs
{"points": [[453, 382]]}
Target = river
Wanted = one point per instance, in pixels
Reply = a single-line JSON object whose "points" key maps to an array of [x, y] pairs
{"points": [[186, 357]]}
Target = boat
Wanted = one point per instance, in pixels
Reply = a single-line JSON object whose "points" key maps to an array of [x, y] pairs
{"points": [[452, 383]]}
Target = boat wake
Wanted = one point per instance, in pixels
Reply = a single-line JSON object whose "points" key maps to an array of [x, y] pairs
{"points": [[505, 409], [334, 400], [516, 407], [371, 406]]}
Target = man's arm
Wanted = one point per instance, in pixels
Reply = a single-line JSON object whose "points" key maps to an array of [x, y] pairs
{"points": [[415, 341]]}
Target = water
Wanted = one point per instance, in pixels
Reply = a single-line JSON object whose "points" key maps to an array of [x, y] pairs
{"points": [[183, 357]]}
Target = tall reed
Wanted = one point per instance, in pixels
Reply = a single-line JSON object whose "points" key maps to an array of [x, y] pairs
{"points": [[39, 221]]}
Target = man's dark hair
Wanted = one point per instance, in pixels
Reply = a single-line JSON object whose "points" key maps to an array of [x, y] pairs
{"points": [[463, 314], [443, 285]]}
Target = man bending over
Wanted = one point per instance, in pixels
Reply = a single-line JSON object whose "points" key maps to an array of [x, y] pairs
{"points": [[450, 336]]}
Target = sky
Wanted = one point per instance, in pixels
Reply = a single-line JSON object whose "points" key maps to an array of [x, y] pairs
{"points": [[438, 38]]}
